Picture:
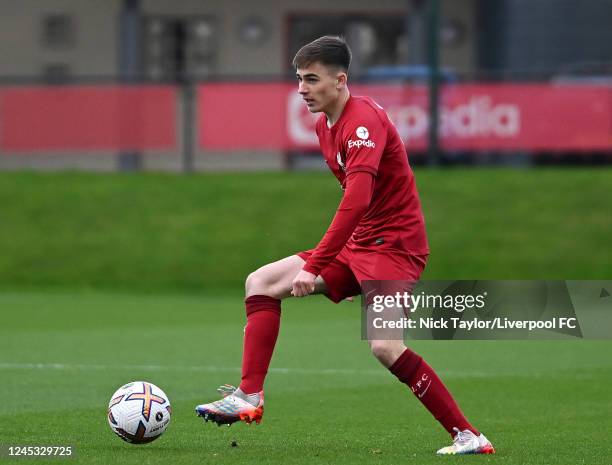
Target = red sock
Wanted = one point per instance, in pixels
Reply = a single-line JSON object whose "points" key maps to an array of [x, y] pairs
{"points": [[413, 371], [260, 333]]}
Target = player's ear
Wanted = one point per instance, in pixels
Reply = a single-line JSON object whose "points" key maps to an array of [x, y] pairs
{"points": [[341, 79]]}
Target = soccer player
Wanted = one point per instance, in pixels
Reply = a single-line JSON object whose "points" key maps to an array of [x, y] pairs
{"points": [[378, 233]]}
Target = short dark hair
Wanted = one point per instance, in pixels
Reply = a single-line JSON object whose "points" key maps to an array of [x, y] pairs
{"points": [[327, 50]]}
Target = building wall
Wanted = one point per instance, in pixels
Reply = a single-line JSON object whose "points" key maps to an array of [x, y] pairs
{"points": [[95, 52], [23, 51], [95, 48], [461, 56], [237, 58], [545, 39]]}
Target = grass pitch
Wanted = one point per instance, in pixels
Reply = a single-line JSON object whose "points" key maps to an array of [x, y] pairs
{"points": [[63, 353], [327, 400], [152, 231]]}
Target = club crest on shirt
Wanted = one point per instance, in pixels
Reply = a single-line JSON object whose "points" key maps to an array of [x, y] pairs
{"points": [[362, 134], [340, 163]]}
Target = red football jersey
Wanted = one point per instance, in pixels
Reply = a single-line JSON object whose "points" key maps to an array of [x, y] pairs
{"points": [[364, 139]]}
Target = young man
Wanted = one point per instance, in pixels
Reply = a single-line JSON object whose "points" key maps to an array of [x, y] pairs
{"points": [[378, 233]]}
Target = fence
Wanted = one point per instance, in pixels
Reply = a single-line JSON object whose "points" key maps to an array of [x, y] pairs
{"points": [[241, 125]]}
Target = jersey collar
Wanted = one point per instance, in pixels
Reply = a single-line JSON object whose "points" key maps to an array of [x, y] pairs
{"points": [[335, 126]]}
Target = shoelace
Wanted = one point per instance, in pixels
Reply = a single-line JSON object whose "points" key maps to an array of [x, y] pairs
{"points": [[463, 437], [226, 390]]}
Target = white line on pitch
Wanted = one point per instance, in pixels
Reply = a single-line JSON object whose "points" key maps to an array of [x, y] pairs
{"points": [[205, 368], [287, 371]]}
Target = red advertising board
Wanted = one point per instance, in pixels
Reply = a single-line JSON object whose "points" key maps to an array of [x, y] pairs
{"points": [[75, 118], [535, 117], [242, 116], [272, 116]]}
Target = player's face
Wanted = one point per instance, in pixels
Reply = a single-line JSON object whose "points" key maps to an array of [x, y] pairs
{"points": [[320, 86]]}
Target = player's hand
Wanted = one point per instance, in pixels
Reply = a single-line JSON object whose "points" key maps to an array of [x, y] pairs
{"points": [[303, 284]]}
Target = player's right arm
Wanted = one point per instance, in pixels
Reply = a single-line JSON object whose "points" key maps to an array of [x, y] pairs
{"points": [[354, 204], [363, 142]]}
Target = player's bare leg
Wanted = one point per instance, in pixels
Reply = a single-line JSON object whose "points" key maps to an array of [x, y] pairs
{"points": [[387, 352], [274, 279], [386, 344], [264, 288]]}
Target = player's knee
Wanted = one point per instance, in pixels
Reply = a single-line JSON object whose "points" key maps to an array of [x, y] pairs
{"points": [[253, 283], [384, 351], [257, 283]]}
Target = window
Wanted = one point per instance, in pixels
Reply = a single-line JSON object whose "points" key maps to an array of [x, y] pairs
{"points": [[56, 72], [58, 31], [377, 39], [179, 48]]}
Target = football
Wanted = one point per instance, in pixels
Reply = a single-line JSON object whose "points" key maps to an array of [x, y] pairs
{"points": [[139, 412]]}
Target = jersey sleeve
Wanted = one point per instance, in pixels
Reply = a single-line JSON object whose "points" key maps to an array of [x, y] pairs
{"points": [[364, 139], [354, 204]]}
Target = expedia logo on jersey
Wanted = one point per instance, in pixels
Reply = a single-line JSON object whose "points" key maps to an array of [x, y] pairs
{"points": [[361, 143], [363, 134]]}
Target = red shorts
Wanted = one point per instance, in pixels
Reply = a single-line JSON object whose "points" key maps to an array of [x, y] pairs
{"points": [[352, 266]]}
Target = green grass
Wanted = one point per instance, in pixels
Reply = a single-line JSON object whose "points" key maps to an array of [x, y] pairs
{"points": [[327, 400], [158, 261], [208, 231]]}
